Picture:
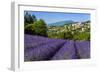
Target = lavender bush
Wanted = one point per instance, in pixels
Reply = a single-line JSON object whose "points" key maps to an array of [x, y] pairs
{"points": [[67, 51], [83, 49]]}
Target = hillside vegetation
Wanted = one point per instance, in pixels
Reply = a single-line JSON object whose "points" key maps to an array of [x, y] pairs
{"points": [[73, 30]]}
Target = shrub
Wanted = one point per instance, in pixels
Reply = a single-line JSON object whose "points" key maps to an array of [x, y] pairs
{"points": [[40, 28], [37, 28]]}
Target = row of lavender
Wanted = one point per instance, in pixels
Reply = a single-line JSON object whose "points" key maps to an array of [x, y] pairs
{"points": [[37, 48]]}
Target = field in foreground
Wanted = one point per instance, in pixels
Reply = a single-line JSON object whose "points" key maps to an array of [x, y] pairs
{"points": [[37, 48]]}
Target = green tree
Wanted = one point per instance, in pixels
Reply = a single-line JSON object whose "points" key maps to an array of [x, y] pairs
{"points": [[82, 36], [29, 19], [68, 35], [40, 28], [29, 29]]}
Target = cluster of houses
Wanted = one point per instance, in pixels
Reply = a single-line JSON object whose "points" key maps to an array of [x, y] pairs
{"points": [[79, 26]]}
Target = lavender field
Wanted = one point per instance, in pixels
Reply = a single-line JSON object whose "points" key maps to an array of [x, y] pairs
{"points": [[38, 48]]}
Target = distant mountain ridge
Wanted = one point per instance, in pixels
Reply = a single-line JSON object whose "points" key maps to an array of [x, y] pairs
{"points": [[61, 23]]}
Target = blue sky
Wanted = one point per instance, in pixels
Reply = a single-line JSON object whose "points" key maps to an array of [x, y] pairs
{"points": [[52, 17]]}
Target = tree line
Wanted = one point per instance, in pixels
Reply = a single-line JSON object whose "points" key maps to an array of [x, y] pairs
{"points": [[34, 26]]}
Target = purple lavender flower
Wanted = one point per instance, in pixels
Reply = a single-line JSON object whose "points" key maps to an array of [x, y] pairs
{"points": [[67, 51], [43, 52], [83, 49], [37, 48]]}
